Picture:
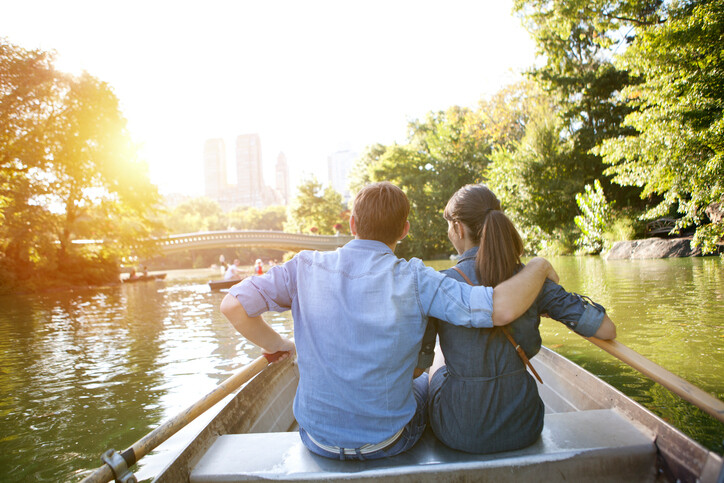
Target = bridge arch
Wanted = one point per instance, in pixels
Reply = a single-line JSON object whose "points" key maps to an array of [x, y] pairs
{"points": [[247, 238]]}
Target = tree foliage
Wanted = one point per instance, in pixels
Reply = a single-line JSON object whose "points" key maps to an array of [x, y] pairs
{"points": [[537, 181], [677, 151], [445, 150], [317, 210], [68, 170], [195, 215], [248, 218], [578, 39]]}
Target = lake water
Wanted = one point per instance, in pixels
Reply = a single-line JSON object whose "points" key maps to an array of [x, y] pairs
{"points": [[88, 370]]}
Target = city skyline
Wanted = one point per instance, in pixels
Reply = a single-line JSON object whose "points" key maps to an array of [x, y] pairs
{"points": [[248, 187], [310, 78]]}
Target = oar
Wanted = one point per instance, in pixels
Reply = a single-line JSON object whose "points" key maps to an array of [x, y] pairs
{"points": [[684, 389], [123, 461]]}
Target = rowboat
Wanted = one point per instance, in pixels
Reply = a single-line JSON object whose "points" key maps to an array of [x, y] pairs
{"points": [[592, 432], [144, 278], [221, 284]]}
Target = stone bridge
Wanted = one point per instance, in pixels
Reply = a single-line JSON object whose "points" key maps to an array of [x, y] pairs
{"points": [[266, 239]]}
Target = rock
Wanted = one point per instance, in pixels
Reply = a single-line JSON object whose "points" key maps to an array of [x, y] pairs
{"points": [[715, 212], [652, 248]]}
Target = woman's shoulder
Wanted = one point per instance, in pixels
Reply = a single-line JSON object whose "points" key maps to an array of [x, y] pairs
{"points": [[467, 267]]}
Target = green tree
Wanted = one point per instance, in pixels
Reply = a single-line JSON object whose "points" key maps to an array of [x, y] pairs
{"points": [[506, 114], [94, 163], [359, 175], [537, 181], [68, 170], [316, 210], [677, 151], [249, 218], [445, 150], [195, 215], [578, 39], [26, 101]]}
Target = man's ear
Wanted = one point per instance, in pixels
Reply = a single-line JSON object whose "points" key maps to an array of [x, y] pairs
{"points": [[352, 226], [405, 230]]}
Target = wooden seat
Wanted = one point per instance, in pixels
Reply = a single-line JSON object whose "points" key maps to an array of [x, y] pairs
{"points": [[597, 445]]}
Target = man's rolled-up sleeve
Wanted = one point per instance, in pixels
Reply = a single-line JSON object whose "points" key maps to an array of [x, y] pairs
{"points": [[457, 302], [481, 305], [269, 292]]}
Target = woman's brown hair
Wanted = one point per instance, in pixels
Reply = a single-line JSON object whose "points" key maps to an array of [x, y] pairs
{"points": [[501, 247]]}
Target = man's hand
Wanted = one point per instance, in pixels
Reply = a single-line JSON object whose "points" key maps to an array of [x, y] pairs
{"points": [[547, 267], [287, 347], [254, 328], [514, 296]]}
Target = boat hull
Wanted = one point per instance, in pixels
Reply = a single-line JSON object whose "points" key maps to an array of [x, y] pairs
{"points": [[222, 284], [144, 278], [579, 407]]}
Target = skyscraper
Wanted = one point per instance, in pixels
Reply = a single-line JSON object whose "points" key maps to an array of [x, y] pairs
{"points": [[282, 179], [249, 175], [214, 168], [340, 164]]}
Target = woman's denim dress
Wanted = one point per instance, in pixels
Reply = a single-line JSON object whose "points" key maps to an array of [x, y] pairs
{"points": [[484, 400]]}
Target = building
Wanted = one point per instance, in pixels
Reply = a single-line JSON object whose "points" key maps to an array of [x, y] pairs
{"points": [[340, 164], [249, 175], [282, 180], [249, 189], [214, 168]]}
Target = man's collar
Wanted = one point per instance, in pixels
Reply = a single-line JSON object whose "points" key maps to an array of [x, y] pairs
{"points": [[364, 244]]}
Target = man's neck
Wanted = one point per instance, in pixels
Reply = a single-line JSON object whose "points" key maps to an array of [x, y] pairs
{"points": [[392, 246]]}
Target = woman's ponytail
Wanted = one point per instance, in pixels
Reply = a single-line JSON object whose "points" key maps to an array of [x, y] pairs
{"points": [[501, 247]]}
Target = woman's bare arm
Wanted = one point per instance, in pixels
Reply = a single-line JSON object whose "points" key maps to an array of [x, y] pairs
{"points": [[514, 296], [607, 330]]}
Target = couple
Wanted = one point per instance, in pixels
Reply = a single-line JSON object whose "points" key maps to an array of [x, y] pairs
{"points": [[360, 314]]}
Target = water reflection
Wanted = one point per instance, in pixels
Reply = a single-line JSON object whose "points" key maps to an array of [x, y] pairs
{"points": [[84, 371]]}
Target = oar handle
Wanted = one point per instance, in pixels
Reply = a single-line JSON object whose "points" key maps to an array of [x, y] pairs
{"points": [[684, 389], [144, 445]]}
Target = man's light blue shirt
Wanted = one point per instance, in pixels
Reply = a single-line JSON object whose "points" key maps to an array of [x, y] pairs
{"points": [[359, 316]]}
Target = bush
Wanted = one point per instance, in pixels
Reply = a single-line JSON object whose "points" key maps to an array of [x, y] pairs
{"points": [[593, 220], [626, 226], [561, 242]]}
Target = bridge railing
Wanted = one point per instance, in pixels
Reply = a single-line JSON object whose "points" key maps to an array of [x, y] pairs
{"points": [[270, 239]]}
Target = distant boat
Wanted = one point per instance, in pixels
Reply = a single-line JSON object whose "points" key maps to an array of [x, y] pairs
{"points": [[144, 278], [219, 284]]}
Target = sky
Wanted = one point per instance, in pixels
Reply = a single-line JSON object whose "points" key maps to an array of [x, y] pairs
{"points": [[310, 77]]}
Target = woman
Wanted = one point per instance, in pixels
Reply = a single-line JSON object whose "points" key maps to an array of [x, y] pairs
{"points": [[483, 400]]}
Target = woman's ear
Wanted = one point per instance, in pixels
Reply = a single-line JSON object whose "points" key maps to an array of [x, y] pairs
{"points": [[460, 230]]}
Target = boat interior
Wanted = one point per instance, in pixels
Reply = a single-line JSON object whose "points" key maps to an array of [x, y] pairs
{"points": [[591, 432]]}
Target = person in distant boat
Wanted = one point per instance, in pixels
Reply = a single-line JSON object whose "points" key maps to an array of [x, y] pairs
{"points": [[359, 315], [145, 271], [234, 271], [258, 267], [482, 399]]}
